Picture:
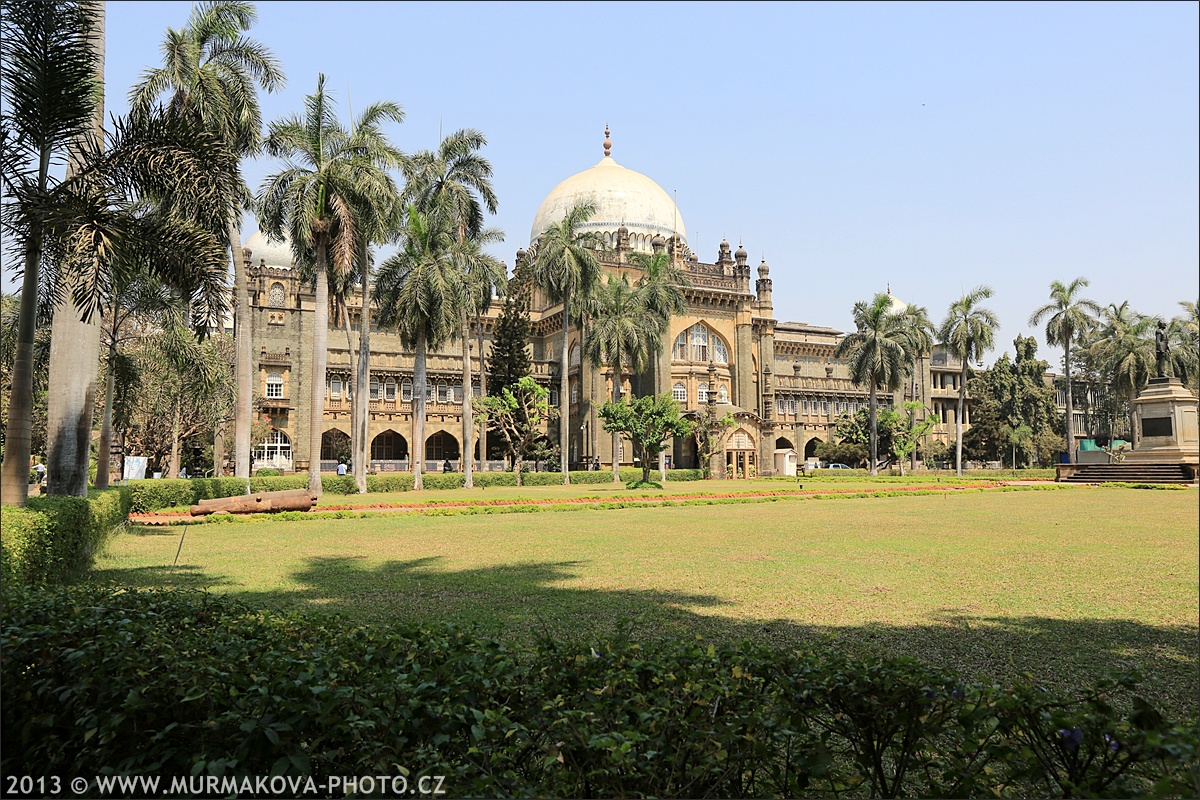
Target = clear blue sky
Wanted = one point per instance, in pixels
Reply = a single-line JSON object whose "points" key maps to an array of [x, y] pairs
{"points": [[933, 146]]}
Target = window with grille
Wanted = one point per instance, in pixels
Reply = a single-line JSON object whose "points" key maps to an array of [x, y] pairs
{"points": [[554, 395], [699, 342], [679, 352], [276, 296], [389, 390], [679, 393], [791, 405], [376, 388], [702, 393], [574, 392], [406, 392], [723, 394], [720, 352], [335, 389], [780, 405], [274, 385]]}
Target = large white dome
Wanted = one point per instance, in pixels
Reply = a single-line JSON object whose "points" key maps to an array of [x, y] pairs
{"points": [[274, 253], [621, 197]]}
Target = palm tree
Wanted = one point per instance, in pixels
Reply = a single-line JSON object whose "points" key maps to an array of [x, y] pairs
{"points": [[209, 72], [1067, 316], [917, 332], [876, 356], [49, 82], [661, 288], [565, 266], [416, 289], [1125, 351], [967, 332], [460, 177], [1184, 334], [622, 336], [329, 176]]}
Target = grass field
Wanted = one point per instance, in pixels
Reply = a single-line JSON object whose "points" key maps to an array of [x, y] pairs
{"points": [[1065, 585]]}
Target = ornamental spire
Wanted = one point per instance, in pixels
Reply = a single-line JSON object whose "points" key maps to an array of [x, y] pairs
{"points": [[607, 142]]}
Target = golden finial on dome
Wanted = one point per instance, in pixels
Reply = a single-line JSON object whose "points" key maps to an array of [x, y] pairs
{"points": [[607, 142]]}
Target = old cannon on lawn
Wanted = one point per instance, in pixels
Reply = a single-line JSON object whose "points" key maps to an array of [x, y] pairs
{"points": [[259, 503]]}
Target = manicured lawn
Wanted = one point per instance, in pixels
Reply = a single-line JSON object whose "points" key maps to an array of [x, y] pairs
{"points": [[1063, 584]]}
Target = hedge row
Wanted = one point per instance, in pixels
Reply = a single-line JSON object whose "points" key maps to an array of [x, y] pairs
{"points": [[54, 538], [101, 681], [151, 495]]}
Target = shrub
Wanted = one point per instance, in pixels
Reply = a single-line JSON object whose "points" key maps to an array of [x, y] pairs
{"points": [[99, 680], [268, 472], [55, 538]]}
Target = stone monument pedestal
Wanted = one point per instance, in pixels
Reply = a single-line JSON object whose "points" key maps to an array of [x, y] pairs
{"points": [[1167, 423]]}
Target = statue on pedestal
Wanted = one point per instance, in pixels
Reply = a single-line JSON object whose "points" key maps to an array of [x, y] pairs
{"points": [[1162, 352]]}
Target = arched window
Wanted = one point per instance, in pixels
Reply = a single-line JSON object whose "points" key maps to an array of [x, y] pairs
{"points": [[574, 359], [679, 351], [274, 451], [430, 392], [781, 405], [720, 352], [679, 393], [723, 394], [554, 396], [699, 342], [702, 393], [791, 405], [389, 390], [335, 388], [406, 394], [574, 391], [740, 440], [274, 385], [442, 393], [376, 388], [276, 296]]}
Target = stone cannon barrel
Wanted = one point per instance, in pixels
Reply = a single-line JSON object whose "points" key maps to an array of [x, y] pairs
{"points": [[262, 502]]}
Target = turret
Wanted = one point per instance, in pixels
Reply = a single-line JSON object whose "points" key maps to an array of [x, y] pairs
{"points": [[762, 287]]}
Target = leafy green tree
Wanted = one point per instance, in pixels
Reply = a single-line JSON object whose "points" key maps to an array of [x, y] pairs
{"points": [[967, 332], [908, 434], [210, 72], [649, 422], [509, 360], [49, 86], [457, 176], [330, 175], [416, 289], [518, 412], [623, 335], [1124, 351], [917, 332], [565, 266], [1067, 315], [856, 429], [1184, 334], [660, 287], [876, 356], [848, 453], [707, 431], [1010, 396]]}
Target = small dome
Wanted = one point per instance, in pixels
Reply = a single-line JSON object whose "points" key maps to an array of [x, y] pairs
{"points": [[273, 253], [740, 253], [898, 305], [763, 269]]}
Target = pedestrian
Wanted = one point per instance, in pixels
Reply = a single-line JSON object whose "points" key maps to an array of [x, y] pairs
{"points": [[341, 469]]}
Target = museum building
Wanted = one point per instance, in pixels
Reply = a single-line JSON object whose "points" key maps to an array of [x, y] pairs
{"points": [[779, 380]]}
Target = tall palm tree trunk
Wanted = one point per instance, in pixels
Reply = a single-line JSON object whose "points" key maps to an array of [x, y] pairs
{"points": [[616, 437], [218, 451], [913, 395], [14, 479], [416, 448], [874, 433], [468, 420], [1070, 405], [105, 445], [316, 398], [176, 424], [958, 420], [244, 410], [351, 395], [483, 429], [360, 446], [564, 398], [75, 352]]}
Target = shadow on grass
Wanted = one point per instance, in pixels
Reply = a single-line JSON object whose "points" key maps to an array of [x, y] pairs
{"points": [[518, 602]]}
